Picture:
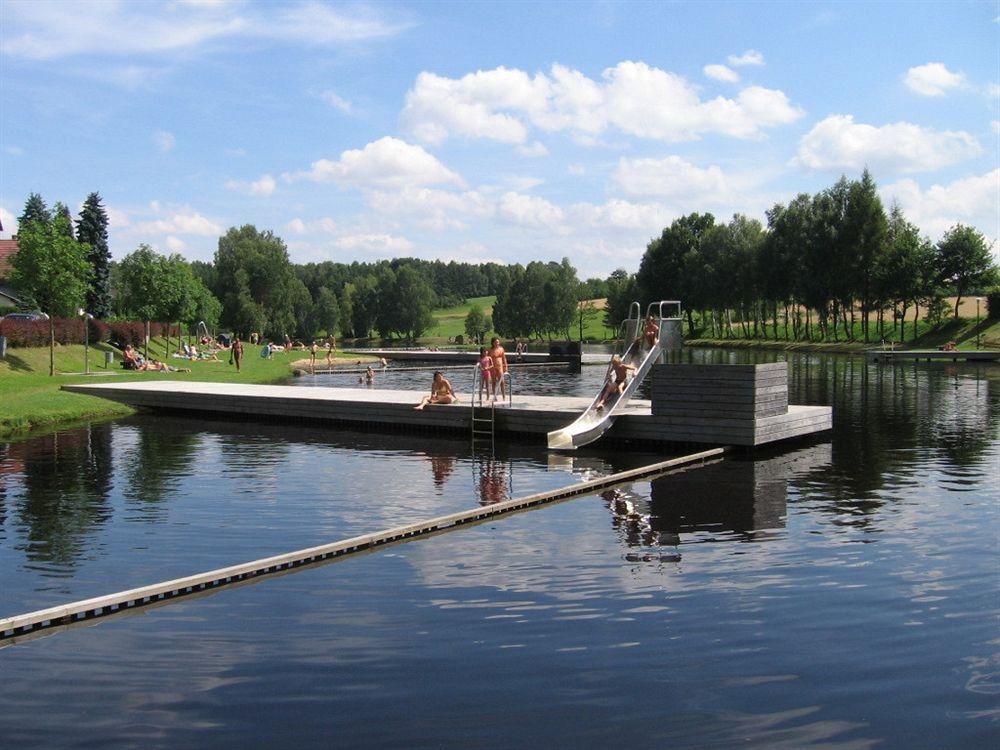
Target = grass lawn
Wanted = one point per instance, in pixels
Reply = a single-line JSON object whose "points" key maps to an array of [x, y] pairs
{"points": [[962, 331], [30, 398], [449, 322]]}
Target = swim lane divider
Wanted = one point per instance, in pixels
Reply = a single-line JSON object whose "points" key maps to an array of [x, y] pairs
{"points": [[86, 609]]}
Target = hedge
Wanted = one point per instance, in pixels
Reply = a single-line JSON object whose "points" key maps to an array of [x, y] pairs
{"points": [[27, 333]]}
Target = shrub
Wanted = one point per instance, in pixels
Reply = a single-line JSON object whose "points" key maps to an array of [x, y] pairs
{"points": [[993, 305], [25, 333]]}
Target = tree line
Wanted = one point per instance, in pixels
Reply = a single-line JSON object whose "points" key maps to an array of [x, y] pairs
{"points": [[829, 266]]}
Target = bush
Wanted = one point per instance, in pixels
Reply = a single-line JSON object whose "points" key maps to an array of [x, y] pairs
{"points": [[993, 305], [26, 333]]}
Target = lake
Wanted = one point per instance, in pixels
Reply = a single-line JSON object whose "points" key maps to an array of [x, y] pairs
{"points": [[838, 592]]}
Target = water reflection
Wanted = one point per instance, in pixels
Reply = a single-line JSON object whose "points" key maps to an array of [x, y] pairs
{"points": [[63, 484]]}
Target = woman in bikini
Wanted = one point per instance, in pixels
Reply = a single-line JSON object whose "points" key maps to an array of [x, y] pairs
{"points": [[441, 392], [485, 373]]}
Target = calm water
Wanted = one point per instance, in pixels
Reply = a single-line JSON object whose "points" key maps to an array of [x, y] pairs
{"points": [[840, 593]]}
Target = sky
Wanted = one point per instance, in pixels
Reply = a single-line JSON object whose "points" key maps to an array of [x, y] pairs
{"points": [[479, 131]]}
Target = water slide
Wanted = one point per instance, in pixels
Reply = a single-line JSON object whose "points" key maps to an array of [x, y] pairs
{"points": [[594, 422]]}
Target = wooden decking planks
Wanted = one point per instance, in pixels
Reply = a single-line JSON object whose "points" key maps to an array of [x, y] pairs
{"points": [[393, 409], [11, 627]]}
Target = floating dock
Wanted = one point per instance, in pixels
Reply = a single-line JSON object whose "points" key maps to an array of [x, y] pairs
{"points": [[556, 354], [933, 355], [727, 411]]}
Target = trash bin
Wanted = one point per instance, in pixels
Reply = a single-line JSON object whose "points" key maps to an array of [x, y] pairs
{"points": [[3, 347], [109, 359]]}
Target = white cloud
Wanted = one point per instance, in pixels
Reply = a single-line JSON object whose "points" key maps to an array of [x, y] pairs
{"points": [[622, 214], [184, 221], [387, 163], [265, 185], [9, 222], [970, 200], [721, 73], [163, 140], [676, 179], [325, 225], [45, 31], [433, 208], [839, 143], [117, 218], [750, 57], [529, 211], [339, 102], [13, 150], [380, 244], [503, 104], [175, 244], [933, 79], [535, 149]]}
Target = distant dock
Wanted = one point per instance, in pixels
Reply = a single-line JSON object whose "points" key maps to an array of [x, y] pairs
{"points": [[558, 353], [532, 416], [933, 355]]}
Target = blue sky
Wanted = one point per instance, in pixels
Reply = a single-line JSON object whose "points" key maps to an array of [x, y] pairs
{"points": [[490, 131]]}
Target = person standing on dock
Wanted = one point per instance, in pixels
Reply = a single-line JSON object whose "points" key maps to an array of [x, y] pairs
{"points": [[499, 357], [651, 331], [312, 356], [329, 354]]}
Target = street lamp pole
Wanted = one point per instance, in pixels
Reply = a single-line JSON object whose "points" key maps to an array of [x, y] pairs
{"points": [[87, 317]]}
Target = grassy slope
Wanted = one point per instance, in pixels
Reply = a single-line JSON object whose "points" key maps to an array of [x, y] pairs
{"points": [[962, 331], [450, 321], [29, 398]]}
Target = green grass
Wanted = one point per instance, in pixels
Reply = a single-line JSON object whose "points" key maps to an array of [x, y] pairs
{"points": [[449, 322], [31, 399], [963, 331]]}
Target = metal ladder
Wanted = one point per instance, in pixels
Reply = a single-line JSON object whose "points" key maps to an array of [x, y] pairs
{"points": [[483, 416]]}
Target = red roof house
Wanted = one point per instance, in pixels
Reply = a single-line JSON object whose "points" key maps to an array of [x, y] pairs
{"points": [[7, 250]]}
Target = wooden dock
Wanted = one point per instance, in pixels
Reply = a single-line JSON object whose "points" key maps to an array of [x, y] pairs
{"points": [[533, 416], [933, 355], [17, 626]]}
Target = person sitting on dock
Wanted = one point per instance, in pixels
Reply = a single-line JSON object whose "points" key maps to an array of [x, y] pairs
{"points": [[618, 376], [949, 347], [441, 392], [651, 331], [499, 357]]}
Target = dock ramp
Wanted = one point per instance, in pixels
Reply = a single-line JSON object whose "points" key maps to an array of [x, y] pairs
{"points": [[594, 422]]}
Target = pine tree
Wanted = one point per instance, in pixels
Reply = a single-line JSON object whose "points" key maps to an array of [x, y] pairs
{"points": [[61, 211], [35, 210], [92, 229]]}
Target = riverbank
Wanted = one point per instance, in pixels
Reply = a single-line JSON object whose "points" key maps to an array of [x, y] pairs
{"points": [[964, 332], [32, 400]]}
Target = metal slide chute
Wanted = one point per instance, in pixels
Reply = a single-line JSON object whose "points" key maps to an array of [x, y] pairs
{"points": [[594, 422]]}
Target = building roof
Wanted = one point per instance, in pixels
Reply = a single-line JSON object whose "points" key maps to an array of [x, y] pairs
{"points": [[7, 250]]}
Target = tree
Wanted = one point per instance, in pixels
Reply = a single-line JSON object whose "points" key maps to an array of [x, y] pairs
{"points": [[306, 321], [477, 324], [52, 269], [660, 270], [864, 232], [586, 311], [413, 301], [35, 210], [623, 290], [92, 228], [327, 311], [255, 281], [61, 211], [964, 261], [152, 287]]}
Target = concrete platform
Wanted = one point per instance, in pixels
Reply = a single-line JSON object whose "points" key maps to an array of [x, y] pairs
{"points": [[533, 416]]}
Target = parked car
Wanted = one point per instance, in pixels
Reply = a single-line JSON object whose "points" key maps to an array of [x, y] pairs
{"points": [[26, 316]]}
